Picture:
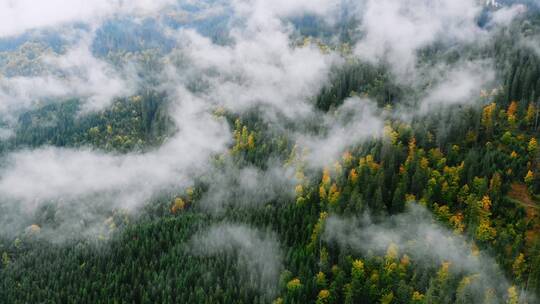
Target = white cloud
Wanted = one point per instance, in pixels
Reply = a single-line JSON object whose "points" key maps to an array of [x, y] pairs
{"points": [[460, 84], [18, 16], [77, 73], [258, 254], [259, 68], [354, 121], [267, 14], [505, 15], [247, 187], [417, 234], [394, 30], [34, 177]]}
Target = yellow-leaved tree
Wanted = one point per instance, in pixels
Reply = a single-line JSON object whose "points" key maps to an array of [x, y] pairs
{"points": [[513, 296], [323, 297], [487, 115], [512, 113], [531, 114], [532, 147], [529, 177]]}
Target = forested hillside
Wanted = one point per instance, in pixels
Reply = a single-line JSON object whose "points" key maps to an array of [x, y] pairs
{"points": [[246, 152]]}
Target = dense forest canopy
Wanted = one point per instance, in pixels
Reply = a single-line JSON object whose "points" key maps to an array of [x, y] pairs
{"points": [[286, 151]]}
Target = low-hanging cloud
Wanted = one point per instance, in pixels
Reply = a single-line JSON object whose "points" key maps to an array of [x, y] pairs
{"points": [[417, 234], [262, 69], [505, 15], [354, 121], [259, 68], [248, 186], [22, 15], [76, 73], [394, 31], [259, 256], [32, 178], [459, 84]]}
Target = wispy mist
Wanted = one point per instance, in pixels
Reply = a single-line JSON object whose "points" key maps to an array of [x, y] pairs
{"points": [[259, 67], [258, 254], [417, 234]]}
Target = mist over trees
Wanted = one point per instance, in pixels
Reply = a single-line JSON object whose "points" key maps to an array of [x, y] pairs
{"points": [[252, 151]]}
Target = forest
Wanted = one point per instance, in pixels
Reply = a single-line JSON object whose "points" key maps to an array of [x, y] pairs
{"points": [[248, 152]]}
